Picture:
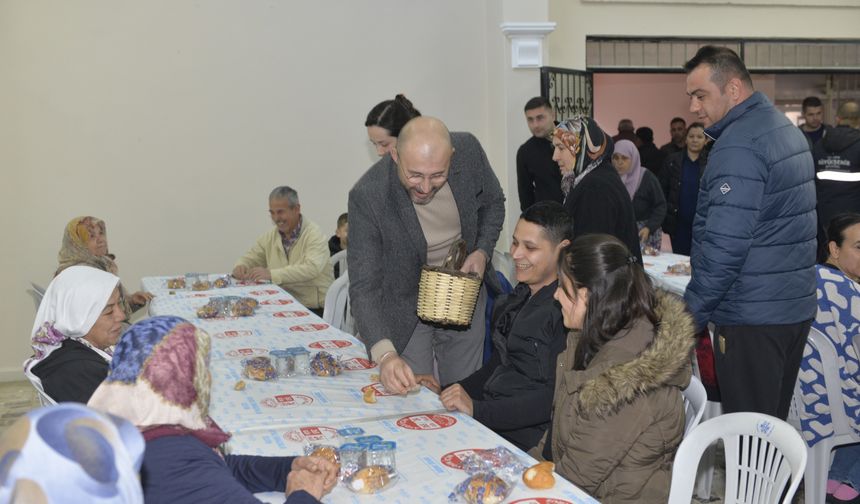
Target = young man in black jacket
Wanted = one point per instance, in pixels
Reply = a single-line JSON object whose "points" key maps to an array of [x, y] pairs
{"points": [[512, 393]]}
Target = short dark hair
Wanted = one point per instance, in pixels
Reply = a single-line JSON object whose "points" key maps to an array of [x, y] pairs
{"points": [[678, 120], [645, 134], [552, 217], [619, 291], [625, 125], [810, 101], [343, 219], [537, 102], [696, 124], [392, 115], [838, 224], [725, 64]]}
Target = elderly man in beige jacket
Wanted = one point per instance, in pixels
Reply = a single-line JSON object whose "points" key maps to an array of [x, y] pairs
{"points": [[294, 254]]}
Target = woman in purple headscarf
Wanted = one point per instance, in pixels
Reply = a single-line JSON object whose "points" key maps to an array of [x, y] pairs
{"points": [[649, 203], [159, 381]]}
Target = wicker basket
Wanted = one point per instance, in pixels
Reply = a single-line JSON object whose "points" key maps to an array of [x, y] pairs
{"points": [[446, 295]]}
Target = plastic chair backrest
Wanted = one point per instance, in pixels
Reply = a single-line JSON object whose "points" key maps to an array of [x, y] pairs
{"points": [[823, 436], [44, 399], [36, 296], [695, 399], [336, 311], [339, 260], [762, 454]]}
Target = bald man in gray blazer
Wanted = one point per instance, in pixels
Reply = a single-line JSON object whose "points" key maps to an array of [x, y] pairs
{"points": [[404, 212]]}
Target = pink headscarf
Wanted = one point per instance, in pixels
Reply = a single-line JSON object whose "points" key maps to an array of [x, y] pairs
{"points": [[633, 178]]}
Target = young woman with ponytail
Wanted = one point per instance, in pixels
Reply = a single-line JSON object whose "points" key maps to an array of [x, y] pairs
{"points": [[618, 413]]}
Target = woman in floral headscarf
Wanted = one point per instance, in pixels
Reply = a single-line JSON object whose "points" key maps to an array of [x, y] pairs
{"points": [[85, 242], [70, 453], [593, 192], [159, 380], [78, 321]]}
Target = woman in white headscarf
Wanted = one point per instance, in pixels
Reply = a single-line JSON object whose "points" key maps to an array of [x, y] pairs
{"points": [[79, 319]]}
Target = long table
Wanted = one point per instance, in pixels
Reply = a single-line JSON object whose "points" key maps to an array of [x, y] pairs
{"points": [[657, 268], [280, 417]]}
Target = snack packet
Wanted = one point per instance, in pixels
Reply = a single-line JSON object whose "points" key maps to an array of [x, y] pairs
{"points": [[259, 368], [492, 476]]}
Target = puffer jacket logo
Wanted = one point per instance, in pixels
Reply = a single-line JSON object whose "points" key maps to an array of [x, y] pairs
{"points": [[725, 188]]}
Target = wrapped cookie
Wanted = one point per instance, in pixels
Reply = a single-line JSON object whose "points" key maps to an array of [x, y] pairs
{"points": [[371, 479], [176, 283], [492, 473], [325, 364], [259, 368], [327, 452], [482, 488]]}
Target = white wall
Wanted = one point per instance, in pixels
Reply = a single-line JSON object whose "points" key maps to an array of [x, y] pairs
{"points": [[172, 120], [577, 19]]}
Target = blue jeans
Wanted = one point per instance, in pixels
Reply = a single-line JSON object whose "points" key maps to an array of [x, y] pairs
{"points": [[846, 465]]}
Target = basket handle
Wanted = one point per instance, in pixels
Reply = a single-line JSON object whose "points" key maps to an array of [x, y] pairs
{"points": [[456, 256]]}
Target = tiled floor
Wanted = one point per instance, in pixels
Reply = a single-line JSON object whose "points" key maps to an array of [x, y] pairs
{"points": [[16, 398]]}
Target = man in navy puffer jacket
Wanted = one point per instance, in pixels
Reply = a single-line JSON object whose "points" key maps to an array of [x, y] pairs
{"points": [[753, 251]]}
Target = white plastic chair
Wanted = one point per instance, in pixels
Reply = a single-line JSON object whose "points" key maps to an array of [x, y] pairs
{"points": [[502, 261], [339, 259], [713, 409], [815, 477], [336, 311], [695, 398], [762, 454], [36, 296], [44, 399]]}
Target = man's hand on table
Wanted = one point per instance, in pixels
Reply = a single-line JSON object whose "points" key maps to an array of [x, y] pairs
{"points": [[476, 262], [317, 476], [429, 381], [240, 272], [395, 374], [455, 398], [259, 273]]}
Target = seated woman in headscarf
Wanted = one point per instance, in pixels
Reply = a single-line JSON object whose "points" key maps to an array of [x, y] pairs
{"points": [[649, 204], [159, 380], [85, 242], [70, 453], [78, 321]]}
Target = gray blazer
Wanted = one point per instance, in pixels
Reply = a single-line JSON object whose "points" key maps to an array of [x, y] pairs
{"points": [[387, 246]]}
